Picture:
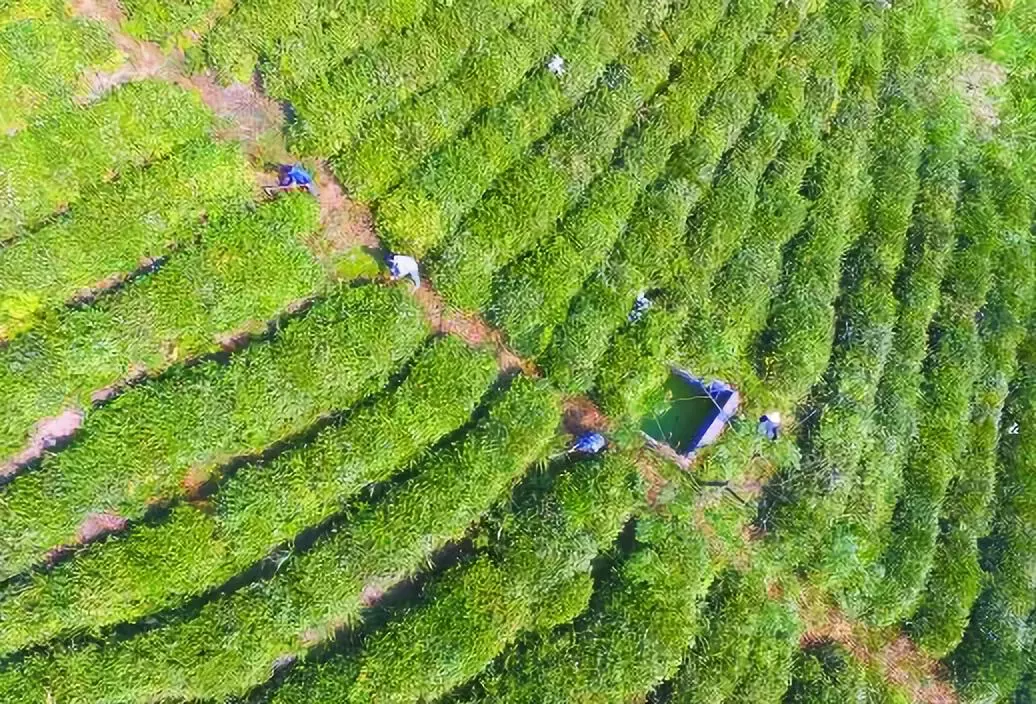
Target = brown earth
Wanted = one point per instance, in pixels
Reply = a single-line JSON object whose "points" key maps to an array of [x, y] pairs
{"points": [[141, 59], [890, 651], [47, 433]]}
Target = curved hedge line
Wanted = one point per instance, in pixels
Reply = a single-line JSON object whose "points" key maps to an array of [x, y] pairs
{"points": [[247, 268], [956, 577], [525, 203], [261, 506], [990, 660], [392, 147], [952, 367], [533, 294], [331, 110], [426, 208], [642, 618], [236, 641], [468, 616], [930, 243], [155, 439], [134, 124]]}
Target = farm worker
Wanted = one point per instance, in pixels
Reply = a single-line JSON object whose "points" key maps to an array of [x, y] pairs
{"points": [[640, 306], [295, 176], [589, 443], [770, 425], [556, 65], [401, 266]]}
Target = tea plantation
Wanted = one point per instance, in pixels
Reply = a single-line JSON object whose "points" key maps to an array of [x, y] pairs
{"points": [[479, 351]]}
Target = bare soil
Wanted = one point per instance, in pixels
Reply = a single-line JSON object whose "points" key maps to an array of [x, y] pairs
{"points": [[581, 415], [977, 82], [471, 328], [97, 525], [346, 223], [47, 433], [141, 59], [891, 652]]}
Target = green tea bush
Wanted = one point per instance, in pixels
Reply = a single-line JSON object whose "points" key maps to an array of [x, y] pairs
{"points": [[235, 641], [635, 364], [718, 225], [930, 243], [604, 304], [865, 311], [723, 221], [427, 206], [829, 674], [392, 147], [990, 660], [468, 616], [772, 656], [745, 649], [952, 367], [158, 565], [526, 202], [51, 163], [45, 55], [247, 268], [956, 577], [714, 666], [776, 209], [797, 342], [160, 20], [154, 210], [641, 620], [159, 438], [329, 111], [301, 40], [534, 293]]}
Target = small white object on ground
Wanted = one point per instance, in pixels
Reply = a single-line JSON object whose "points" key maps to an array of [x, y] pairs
{"points": [[556, 65], [401, 266]]}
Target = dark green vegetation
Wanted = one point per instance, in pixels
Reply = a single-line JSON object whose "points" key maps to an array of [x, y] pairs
{"points": [[238, 464]]}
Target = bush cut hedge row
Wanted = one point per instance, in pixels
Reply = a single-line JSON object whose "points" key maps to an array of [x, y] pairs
{"points": [[234, 642], [246, 269], [930, 243], [330, 110], [526, 202], [302, 40], [952, 367], [45, 53], [827, 673], [533, 294], [745, 649], [467, 617], [261, 506], [392, 147], [797, 342], [157, 440], [129, 127], [428, 205], [154, 210], [641, 619], [991, 658], [956, 577]]}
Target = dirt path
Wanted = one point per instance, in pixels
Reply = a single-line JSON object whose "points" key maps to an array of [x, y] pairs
{"points": [[888, 650]]}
